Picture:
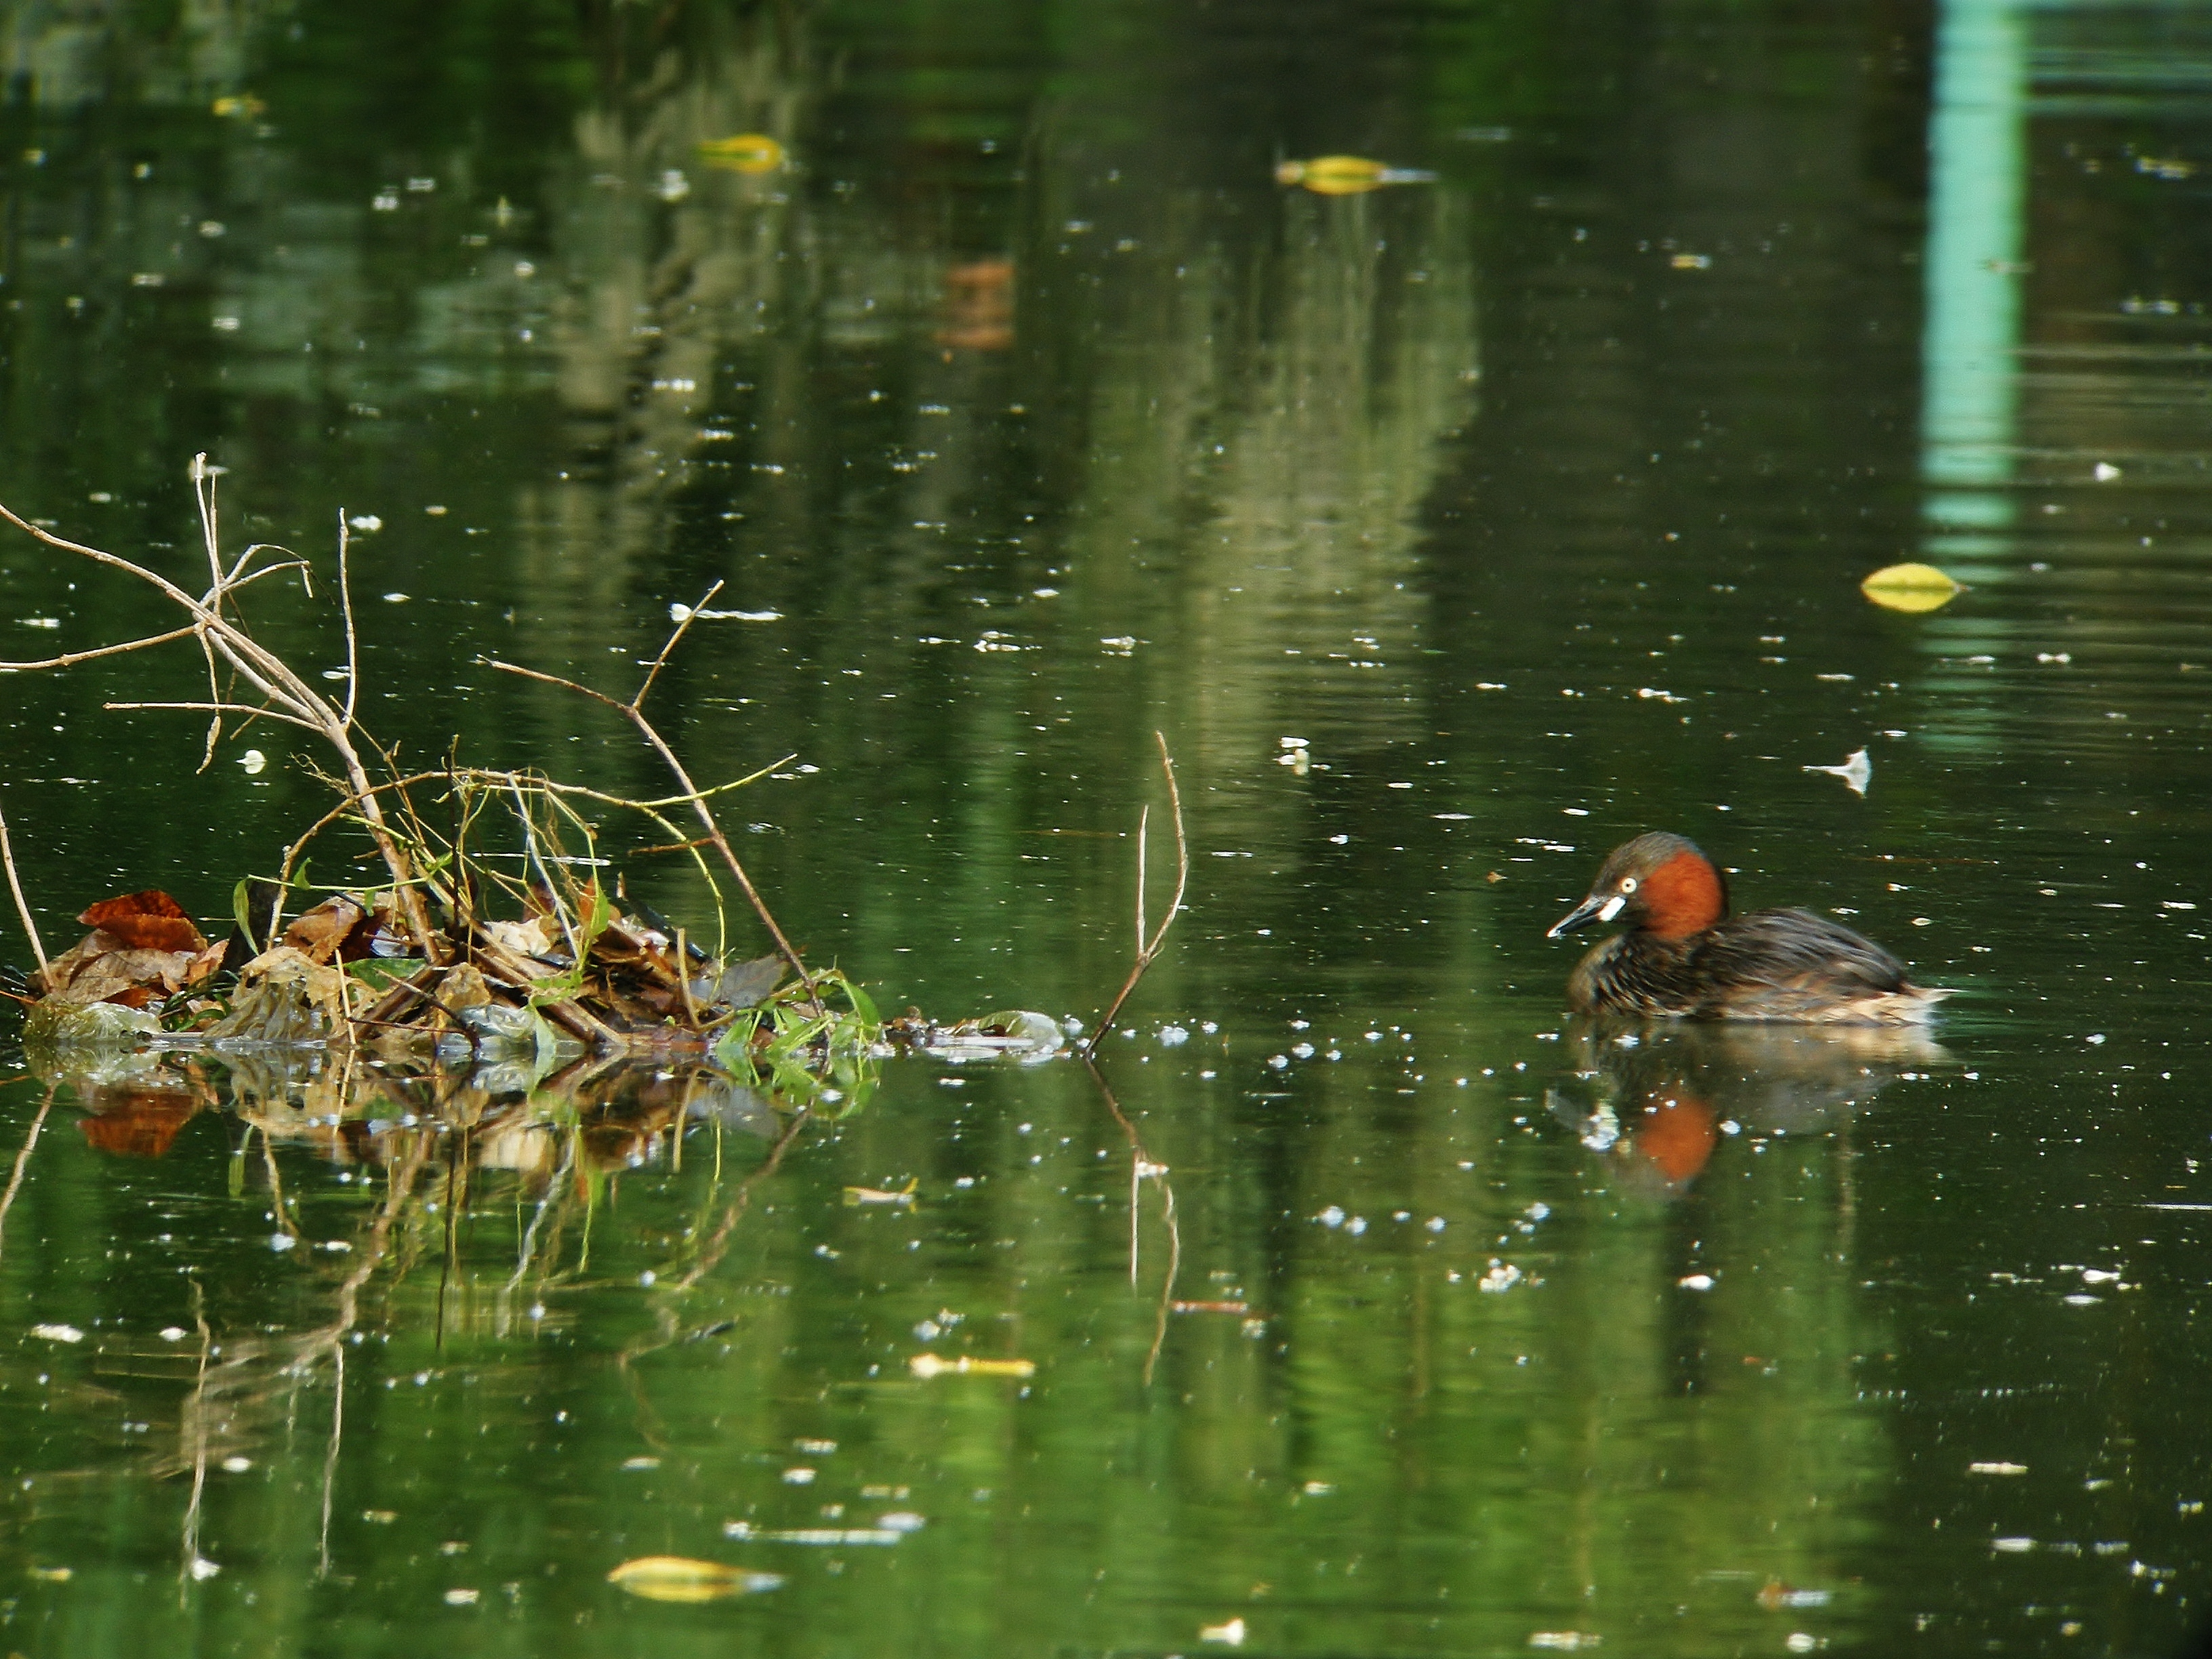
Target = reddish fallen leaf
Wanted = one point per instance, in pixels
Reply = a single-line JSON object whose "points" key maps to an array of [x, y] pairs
{"points": [[150, 921]]}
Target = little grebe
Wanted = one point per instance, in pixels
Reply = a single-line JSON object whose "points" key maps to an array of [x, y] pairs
{"points": [[1685, 956]]}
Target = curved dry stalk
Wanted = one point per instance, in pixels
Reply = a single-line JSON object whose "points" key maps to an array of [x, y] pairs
{"points": [[1148, 948], [634, 713]]}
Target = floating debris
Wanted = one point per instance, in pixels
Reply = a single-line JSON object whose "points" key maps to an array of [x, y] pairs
{"points": [[1775, 1595], [929, 1364], [1911, 587], [1019, 1034], [814, 1535], [900, 1195]]}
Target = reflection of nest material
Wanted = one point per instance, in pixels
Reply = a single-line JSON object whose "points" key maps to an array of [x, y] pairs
{"points": [[139, 1119], [979, 306]]}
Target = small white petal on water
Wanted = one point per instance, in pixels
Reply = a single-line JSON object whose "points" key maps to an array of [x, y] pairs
{"points": [[1856, 770]]}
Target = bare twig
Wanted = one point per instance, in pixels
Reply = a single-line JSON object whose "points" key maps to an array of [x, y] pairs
{"points": [[22, 910], [1148, 948], [71, 659], [635, 714]]}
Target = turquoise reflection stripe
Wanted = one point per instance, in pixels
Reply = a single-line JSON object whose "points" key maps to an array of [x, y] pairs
{"points": [[1976, 142]]}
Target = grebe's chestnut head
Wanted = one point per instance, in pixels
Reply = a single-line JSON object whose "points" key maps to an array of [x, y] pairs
{"points": [[1658, 883]]}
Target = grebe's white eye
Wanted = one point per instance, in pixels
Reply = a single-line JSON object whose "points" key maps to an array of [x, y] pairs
{"points": [[1628, 884]]}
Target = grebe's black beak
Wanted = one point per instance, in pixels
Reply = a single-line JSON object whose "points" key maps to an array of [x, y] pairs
{"points": [[1598, 907]]}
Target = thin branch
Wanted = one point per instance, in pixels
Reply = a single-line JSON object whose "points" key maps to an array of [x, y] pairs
{"points": [[246, 709], [1148, 950], [682, 625], [71, 659], [22, 910]]}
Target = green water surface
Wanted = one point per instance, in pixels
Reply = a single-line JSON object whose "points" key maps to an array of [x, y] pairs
{"points": [[1450, 532]]}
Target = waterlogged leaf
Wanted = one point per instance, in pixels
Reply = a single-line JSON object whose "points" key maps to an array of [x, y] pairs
{"points": [[680, 1578], [1911, 587], [754, 153], [56, 1022], [284, 997], [744, 984], [930, 1364]]}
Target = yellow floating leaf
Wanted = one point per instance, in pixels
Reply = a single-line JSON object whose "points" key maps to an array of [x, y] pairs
{"points": [[1347, 175], [928, 1364], [243, 105], [746, 152], [1910, 588], [680, 1578]]}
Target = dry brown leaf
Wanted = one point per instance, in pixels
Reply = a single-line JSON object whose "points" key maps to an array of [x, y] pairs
{"points": [[321, 933]]}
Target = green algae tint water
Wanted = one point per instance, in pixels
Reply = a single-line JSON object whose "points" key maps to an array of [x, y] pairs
{"points": [[1451, 532]]}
